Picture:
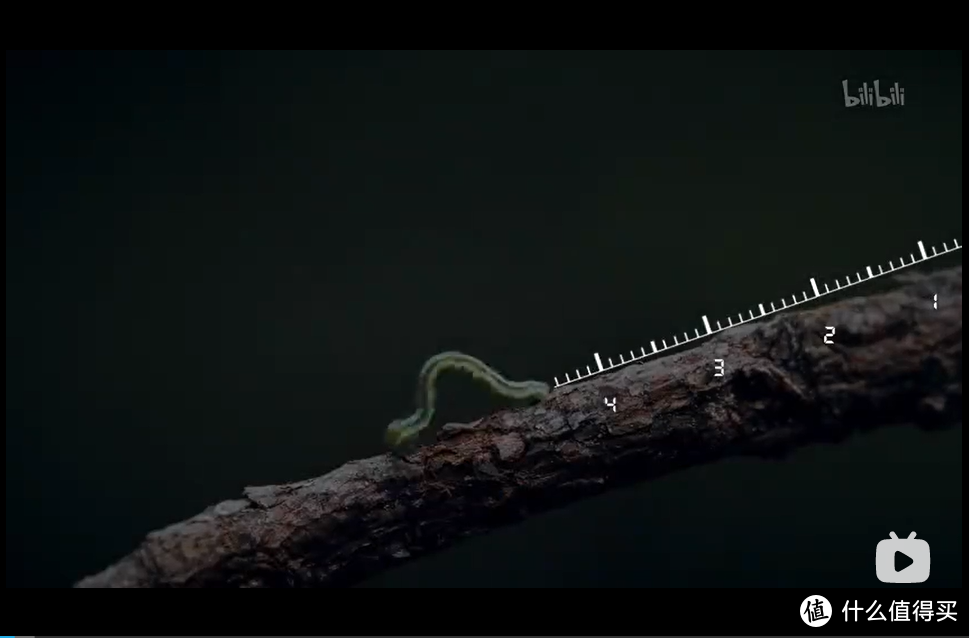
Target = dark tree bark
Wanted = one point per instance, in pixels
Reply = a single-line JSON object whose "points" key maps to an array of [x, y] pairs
{"points": [[895, 359]]}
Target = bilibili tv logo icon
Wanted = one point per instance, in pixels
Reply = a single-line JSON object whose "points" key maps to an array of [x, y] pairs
{"points": [[902, 560]]}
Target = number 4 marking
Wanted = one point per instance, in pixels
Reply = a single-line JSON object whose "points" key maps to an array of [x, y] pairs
{"points": [[829, 334]]}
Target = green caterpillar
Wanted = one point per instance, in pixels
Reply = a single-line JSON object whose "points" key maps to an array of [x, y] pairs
{"points": [[404, 432]]}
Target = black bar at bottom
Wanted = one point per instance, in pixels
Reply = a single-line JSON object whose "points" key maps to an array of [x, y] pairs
{"points": [[885, 611]]}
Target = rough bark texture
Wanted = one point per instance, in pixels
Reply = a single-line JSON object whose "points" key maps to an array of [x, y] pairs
{"points": [[894, 359]]}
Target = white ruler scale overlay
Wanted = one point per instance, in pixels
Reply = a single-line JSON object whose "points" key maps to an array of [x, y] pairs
{"points": [[785, 304]]}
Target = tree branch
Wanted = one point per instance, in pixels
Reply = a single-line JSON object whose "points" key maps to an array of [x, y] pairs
{"points": [[894, 360]]}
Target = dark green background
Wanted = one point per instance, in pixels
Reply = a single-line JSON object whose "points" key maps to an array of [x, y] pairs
{"points": [[225, 269]]}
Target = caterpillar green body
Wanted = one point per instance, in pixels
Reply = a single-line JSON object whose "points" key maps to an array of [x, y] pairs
{"points": [[404, 432]]}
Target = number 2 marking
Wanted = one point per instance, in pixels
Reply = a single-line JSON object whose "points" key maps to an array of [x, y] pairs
{"points": [[829, 334]]}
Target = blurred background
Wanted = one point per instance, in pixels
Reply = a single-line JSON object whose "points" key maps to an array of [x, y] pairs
{"points": [[225, 269]]}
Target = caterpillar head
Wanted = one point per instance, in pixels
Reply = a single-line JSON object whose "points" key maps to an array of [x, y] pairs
{"points": [[401, 433]]}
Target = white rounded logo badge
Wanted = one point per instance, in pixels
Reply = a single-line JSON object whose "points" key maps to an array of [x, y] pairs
{"points": [[816, 611]]}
